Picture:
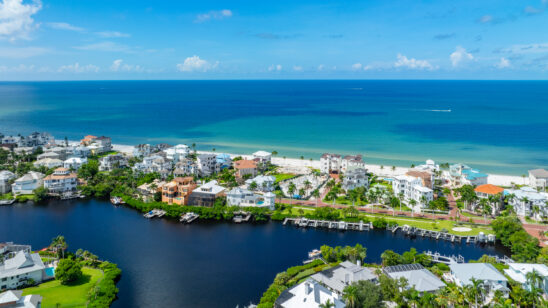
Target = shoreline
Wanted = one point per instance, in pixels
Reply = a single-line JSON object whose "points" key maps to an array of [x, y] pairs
{"points": [[296, 165]]}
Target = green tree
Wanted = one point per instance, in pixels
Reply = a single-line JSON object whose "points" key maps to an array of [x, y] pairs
{"points": [[40, 194], [68, 271], [364, 294], [89, 170]]}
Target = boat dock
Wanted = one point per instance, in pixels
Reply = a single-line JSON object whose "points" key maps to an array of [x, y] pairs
{"points": [[413, 231], [338, 225], [439, 258], [155, 213], [7, 202], [241, 216], [188, 217]]}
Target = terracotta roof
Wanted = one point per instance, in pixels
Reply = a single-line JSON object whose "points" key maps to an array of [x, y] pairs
{"points": [[489, 189], [245, 164], [425, 176], [60, 177]]}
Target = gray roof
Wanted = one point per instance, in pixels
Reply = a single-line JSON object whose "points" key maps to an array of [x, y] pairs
{"points": [[342, 275], [481, 271], [539, 173], [22, 263], [417, 276]]}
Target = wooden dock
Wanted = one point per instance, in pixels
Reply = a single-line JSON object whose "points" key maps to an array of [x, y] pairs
{"points": [[413, 232], [337, 225], [241, 216]]}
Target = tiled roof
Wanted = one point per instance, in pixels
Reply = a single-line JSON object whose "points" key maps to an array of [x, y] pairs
{"points": [[245, 164], [489, 189]]}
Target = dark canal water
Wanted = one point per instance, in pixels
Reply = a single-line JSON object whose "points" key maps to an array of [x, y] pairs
{"points": [[168, 264]]}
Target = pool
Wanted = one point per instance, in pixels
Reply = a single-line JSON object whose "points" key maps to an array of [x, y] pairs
{"points": [[50, 271]]}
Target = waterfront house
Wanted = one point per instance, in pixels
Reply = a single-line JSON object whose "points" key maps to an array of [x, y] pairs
{"points": [[417, 277], [155, 163], [61, 181], [339, 277], [490, 191], [185, 167], [526, 201], [75, 163], [429, 166], [330, 163], [19, 270], [518, 272], [491, 279], [48, 163], [264, 183], [148, 190], [97, 145], [5, 178], [412, 189], [142, 150], [245, 167], [26, 184], [354, 178], [262, 157], [223, 161], [177, 153], [207, 164], [78, 151], [9, 249], [426, 177], [246, 198], [15, 299], [308, 294], [50, 155], [206, 194], [352, 162], [460, 174], [538, 178], [113, 161], [61, 152], [178, 190]]}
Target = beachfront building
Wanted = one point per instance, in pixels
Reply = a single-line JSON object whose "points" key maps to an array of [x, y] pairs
{"points": [[148, 190], [491, 279], [177, 152], [538, 178], [5, 178], [223, 161], [78, 151], [491, 192], [184, 167], [142, 150], [330, 163], [264, 183], [339, 277], [460, 174], [15, 299], [246, 198], [48, 163], [97, 145], [352, 162], [19, 270], [417, 277], [60, 152], [61, 181], [426, 177], [154, 163], [74, 163], [262, 157], [50, 155], [519, 271], [26, 184], [113, 161], [245, 168], [178, 190], [429, 166], [411, 188], [308, 294], [207, 164], [354, 178], [526, 201], [206, 194]]}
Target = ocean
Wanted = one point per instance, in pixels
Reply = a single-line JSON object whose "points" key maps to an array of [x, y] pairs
{"points": [[496, 126]]}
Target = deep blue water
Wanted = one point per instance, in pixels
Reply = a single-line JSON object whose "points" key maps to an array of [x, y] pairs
{"points": [[497, 126], [167, 264]]}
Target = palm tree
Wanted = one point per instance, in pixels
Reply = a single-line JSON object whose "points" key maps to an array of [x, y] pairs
{"points": [[350, 296], [393, 168], [274, 153], [316, 195], [476, 290], [413, 203], [307, 185], [328, 304], [291, 190], [400, 196]]}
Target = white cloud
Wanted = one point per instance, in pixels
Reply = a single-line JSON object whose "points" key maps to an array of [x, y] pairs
{"points": [[22, 52], [105, 46], [195, 64], [356, 66], [21, 68], [276, 67], [485, 19], [16, 19], [297, 68], [77, 68], [112, 34], [321, 67], [412, 63], [222, 14], [527, 48], [119, 66], [459, 56], [503, 63], [63, 26]]}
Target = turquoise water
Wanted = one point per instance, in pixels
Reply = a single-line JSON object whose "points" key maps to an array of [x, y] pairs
{"points": [[50, 271], [496, 126]]}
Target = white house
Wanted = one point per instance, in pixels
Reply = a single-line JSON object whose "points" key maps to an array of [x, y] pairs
{"points": [[207, 164], [519, 271], [308, 294], [15, 299], [17, 271], [412, 189], [264, 182], [142, 150], [352, 162], [27, 183], [429, 165], [61, 181], [460, 174], [112, 161], [263, 157], [339, 277], [74, 163], [491, 279], [48, 163], [177, 152], [417, 276], [5, 178], [354, 178], [78, 151], [538, 178], [526, 199], [245, 198], [330, 163]]}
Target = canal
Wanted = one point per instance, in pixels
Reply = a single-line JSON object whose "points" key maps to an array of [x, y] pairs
{"points": [[168, 264]]}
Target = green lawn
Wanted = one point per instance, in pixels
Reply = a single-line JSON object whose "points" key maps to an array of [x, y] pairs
{"points": [[283, 176], [74, 295]]}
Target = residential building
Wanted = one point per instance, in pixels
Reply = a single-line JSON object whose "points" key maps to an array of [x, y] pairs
{"points": [[526, 201], [491, 279], [178, 190], [78, 151], [330, 163], [61, 181], [264, 183], [412, 189], [245, 167], [262, 157], [429, 166], [155, 163], [75, 163], [206, 194], [246, 198], [177, 152], [518, 272], [352, 162], [48, 163], [9, 249], [207, 164], [97, 145], [417, 277], [354, 178], [50, 155], [26, 184], [538, 178], [142, 150], [113, 161], [460, 174], [17, 271], [148, 190], [5, 178], [185, 167], [489, 191], [223, 161], [60, 151], [308, 294], [15, 299], [339, 277], [427, 178]]}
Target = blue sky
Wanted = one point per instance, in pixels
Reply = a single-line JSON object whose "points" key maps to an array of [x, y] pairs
{"points": [[375, 39]]}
